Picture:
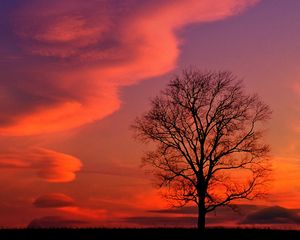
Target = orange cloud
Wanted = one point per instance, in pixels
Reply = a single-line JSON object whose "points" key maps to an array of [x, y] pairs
{"points": [[86, 52], [50, 166], [67, 206], [97, 214]]}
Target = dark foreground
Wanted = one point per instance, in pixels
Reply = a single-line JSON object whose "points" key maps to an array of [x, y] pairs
{"points": [[150, 233]]}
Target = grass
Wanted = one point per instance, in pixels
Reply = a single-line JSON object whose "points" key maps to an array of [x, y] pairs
{"points": [[148, 233]]}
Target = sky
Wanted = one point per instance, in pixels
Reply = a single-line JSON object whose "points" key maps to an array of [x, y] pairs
{"points": [[75, 74]]}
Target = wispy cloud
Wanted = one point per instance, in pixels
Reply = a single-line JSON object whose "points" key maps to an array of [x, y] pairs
{"points": [[77, 55]]}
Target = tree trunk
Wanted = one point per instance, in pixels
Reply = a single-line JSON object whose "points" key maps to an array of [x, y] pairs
{"points": [[201, 218]]}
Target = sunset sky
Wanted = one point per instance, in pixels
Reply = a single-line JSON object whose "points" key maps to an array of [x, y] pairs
{"points": [[76, 73]]}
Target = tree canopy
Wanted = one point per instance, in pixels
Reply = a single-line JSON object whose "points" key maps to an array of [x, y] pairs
{"points": [[209, 140]]}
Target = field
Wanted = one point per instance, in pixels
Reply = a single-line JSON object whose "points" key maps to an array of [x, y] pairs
{"points": [[151, 233]]}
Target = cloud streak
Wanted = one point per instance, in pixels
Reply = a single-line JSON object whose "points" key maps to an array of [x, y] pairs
{"points": [[77, 55], [50, 166]]}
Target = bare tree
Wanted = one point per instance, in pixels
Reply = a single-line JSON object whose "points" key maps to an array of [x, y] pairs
{"points": [[208, 134]]}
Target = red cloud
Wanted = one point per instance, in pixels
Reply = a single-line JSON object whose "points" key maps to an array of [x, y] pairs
{"points": [[81, 53], [66, 205], [53, 200], [50, 166]]}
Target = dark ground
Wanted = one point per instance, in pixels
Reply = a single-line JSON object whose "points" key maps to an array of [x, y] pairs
{"points": [[150, 233]]}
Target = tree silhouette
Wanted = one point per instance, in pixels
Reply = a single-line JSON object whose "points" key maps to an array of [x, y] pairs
{"points": [[208, 134]]}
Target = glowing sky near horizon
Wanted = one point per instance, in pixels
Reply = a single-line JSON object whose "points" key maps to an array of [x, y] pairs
{"points": [[74, 74]]}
